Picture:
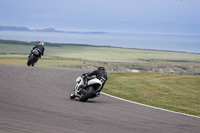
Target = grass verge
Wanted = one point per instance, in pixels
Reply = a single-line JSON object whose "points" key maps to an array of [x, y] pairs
{"points": [[179, 93]]}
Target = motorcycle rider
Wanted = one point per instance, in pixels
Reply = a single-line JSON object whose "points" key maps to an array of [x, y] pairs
{"points": [[100, 74], [40, 48]]}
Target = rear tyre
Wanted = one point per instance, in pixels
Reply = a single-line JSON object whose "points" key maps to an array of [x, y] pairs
{"points": [[88, 94]]}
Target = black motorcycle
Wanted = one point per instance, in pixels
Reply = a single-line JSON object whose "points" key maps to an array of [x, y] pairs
{"points": [[33, 58]]}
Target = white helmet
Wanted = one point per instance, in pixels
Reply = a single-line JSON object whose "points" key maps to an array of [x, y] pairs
{"points": [[41, 43]]}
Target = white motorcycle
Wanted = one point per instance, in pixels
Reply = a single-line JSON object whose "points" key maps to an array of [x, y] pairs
{"points": [[86, 87]]}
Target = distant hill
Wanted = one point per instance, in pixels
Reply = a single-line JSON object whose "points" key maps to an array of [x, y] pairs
{"points": [[14, 28], [17, 28], [48, 30]]}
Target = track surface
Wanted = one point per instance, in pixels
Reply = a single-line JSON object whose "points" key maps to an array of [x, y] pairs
{"points": [[36, 100]]}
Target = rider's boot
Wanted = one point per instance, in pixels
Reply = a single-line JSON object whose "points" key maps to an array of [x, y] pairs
{"points": [[97, 94]]}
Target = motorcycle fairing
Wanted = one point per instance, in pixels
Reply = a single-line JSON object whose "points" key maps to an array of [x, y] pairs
{"points": [[95, 82], [79, 82]]}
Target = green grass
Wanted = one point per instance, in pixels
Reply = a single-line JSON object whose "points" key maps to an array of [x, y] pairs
{"points": [[92, 53], [114, 59], [58, 62], [179, 93]]}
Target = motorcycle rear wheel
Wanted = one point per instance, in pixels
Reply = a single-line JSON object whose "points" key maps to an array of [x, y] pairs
{"points": [[88, 94]]}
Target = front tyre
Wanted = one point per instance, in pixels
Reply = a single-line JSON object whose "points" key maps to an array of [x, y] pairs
{"points": [[30, 60], [72, 96]]}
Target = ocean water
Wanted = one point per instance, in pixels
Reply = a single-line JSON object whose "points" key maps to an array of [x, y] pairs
{"points": [[171, 42]]}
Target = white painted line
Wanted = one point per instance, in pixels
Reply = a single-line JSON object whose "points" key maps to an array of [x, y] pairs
{"points": [[148, 105]]}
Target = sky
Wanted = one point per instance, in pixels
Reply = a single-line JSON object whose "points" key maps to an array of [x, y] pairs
{"points": [[162, 16]]}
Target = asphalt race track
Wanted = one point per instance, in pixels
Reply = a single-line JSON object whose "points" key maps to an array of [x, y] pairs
{"points": [[36, 100]]}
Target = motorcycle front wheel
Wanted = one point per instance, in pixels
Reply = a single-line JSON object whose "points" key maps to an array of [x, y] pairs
{"points": [[72, 96], [30, 61]]}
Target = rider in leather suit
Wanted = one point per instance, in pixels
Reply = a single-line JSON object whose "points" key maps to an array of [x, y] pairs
{"points": [[100, 74], [40, 48]]}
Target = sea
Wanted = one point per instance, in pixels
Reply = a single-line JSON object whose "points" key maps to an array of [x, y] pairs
{"points": [[155, 41]]}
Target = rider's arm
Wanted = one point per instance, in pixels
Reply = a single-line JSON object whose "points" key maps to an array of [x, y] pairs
{"points": [[34, 47], [43, 51], [92, 73]]}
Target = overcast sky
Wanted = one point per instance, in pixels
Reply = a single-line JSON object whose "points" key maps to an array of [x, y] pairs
{"points": [[166, 16]]}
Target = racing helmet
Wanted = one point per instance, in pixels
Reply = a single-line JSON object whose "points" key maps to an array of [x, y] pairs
{"points": [[41, 43], [101, 68]]}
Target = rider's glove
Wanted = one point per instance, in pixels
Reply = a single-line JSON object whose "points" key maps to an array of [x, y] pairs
{"points": [[84, 74]]}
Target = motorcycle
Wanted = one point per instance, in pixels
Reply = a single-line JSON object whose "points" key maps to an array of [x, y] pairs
{"points": [[86, 88], [33, 58]]}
